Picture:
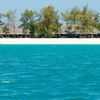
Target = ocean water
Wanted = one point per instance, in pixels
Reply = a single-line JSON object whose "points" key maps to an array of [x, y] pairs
{"points": [[49, 72]]}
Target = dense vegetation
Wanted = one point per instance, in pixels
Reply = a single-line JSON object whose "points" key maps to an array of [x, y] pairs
{"points": [[46, 23]]}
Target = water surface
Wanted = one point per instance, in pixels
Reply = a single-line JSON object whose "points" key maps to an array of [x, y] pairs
{"points": [[49, 72]]}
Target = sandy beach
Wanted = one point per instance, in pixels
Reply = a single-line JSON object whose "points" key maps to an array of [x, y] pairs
{"points": [[49, 41]]}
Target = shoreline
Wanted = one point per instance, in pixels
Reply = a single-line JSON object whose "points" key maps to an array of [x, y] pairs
{"points": [[49, 40]]}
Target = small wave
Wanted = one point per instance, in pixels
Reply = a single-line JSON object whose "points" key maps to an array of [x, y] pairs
{"points": [[25, 76], [6, 81]]}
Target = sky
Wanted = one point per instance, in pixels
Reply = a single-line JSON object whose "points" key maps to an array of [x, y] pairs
{"points": [[60, 5]]}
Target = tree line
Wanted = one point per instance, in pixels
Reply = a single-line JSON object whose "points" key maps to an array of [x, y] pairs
{"points": [[47, 23]]}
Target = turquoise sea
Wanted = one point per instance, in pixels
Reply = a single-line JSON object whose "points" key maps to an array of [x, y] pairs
{"points": [[49, 72]]}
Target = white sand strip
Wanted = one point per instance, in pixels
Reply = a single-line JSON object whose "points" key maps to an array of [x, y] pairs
{"points": [[49, 41]]}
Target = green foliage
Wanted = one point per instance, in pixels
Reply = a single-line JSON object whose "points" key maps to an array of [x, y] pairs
{"points": [[49, 22], [5, 29], [84, 20], [71, 17], [1, 22], [46, 23], [28, 22], [10, 19]]}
